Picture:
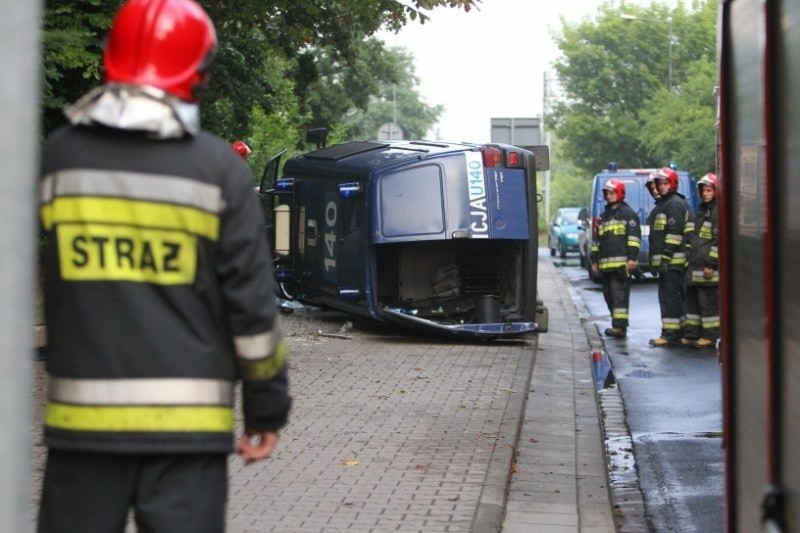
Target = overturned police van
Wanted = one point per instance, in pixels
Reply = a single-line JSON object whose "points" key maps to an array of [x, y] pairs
{"points": [[436, 237]]}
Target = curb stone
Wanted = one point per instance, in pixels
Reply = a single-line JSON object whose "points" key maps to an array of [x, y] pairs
{"points": [[623, 474], [491, 502]]}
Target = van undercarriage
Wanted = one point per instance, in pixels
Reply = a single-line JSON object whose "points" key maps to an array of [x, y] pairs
{"points": [[454, 281]]}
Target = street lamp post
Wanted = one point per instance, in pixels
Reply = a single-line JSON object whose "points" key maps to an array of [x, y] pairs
{"points": [[627, 16]]}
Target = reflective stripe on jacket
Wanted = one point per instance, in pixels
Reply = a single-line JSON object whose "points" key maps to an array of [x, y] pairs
{"points": [[618, 237], [702, 236], [667, 241]]}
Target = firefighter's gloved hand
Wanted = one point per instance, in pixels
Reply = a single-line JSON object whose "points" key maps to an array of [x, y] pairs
{"points": [[663, 268]]}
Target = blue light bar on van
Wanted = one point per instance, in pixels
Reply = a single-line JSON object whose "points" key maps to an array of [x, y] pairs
{"points": [[284, 185], [283, 274], [349, 190], [349, 293]]}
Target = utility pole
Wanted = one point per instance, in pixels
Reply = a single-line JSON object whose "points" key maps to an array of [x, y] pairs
{"points": [[547, 98], [394, 111], [19, 149], [669, 33]]}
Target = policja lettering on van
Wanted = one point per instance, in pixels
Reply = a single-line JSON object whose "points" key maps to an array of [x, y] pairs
{"points": [[476, 186]]}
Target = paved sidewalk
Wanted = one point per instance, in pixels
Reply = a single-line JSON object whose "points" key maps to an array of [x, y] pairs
{"points": [[396, 433], [559, 483]]}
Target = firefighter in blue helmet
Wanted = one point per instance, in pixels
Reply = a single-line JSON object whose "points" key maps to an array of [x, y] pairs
{"points": [[158, 293], [614, 250], [701, 329]]}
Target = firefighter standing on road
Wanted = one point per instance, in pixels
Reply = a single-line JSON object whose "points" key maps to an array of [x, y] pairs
{"points": [[668, 255], [702, 275], [614, 251], [158, 293]]}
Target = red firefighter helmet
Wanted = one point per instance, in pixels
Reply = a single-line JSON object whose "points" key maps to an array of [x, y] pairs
{"points": [[709, 179], [168, 44], [670, 175], [617, 186], [241, 148]]}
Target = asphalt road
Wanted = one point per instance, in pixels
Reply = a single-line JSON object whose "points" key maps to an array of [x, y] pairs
{"points": [[673, 406]]}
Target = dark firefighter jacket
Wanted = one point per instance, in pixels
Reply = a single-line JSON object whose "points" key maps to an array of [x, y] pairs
{"points": [[667, 241], [159, 295], [651, 218], [702, 244], [618, 237]]}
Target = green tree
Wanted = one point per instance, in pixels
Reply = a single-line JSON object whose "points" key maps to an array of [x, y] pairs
{"points": [[620, 76], [343, 87], [72, 36], [255, 36], [396, 94], [568, 184], [680, 127]]}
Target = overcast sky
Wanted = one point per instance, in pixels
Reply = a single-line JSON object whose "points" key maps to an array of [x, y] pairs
{"points": [[487, 63]]}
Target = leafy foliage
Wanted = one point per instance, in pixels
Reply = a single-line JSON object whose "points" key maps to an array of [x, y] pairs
{"points": [[283, 65], [395, 97], [568, 184], [72, 36], [678, 140], [638, 88]]}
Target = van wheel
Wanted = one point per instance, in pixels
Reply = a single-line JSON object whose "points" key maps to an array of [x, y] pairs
{"points": [[552, 250]]}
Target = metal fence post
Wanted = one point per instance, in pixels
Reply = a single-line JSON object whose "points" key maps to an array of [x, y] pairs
{"points": [[19, 148]]}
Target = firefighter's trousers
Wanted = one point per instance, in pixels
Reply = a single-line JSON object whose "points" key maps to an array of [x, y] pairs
{"points": [[702, 312], [617, 293], [670, 299], [167, 493]]}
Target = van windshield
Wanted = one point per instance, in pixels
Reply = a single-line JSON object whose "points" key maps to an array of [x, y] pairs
{"points": [[638, 197], [633, 196]]}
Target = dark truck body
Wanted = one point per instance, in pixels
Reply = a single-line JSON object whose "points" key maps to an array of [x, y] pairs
{"points": [[436, 237]]}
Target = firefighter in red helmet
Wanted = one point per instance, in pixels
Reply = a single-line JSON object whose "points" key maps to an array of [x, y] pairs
{"points": [[668, 255], [615, 247], [157, 293], [701, 304], [241, 148]]}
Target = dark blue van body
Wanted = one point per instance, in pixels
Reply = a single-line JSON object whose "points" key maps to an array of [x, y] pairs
{"points": [[433, 236], [636, 196]]}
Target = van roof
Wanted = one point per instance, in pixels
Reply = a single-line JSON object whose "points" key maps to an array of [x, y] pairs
{"points": [[361, 158]]}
